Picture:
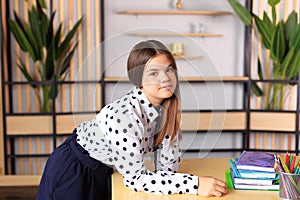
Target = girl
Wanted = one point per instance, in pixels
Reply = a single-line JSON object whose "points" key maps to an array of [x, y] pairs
{"points": [[144, 120]]}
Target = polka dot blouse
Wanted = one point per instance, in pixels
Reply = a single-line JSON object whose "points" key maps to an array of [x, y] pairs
{"points": [[123, 133]]}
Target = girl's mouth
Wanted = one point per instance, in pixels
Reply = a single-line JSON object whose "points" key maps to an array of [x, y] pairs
{"points": [[166, 87]]}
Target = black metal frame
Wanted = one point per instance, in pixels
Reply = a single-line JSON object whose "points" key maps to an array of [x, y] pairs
{"points": [[247, 72]]}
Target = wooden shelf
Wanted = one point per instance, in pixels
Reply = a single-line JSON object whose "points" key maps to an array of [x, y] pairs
{"points": [[272, 121], [213, 121], [20, 180], [190, 79], [173, 12], [176, 34], [23, 125]]}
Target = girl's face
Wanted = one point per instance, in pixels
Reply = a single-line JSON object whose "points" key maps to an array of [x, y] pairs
{"points": [[159, 79]]}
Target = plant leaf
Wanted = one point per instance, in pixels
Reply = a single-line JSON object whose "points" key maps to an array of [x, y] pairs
{"points": [[41, 3], [264, 30], [19, 21], [17, 32], [273, 2], [65, 44], [28, 33], [295, 38], [290, 26], [259, 70], [26, 74], [57, 36], [50, 62], [32, 41], [294, 66], [44, 23], [21, 38], [278, 46], [66, 63], [286, 62], [50, 31], [267, 21], [256, 89], [242, 12], [35, 25]]}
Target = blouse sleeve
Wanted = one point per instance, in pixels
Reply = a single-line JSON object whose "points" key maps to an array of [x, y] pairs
{"points": [[168, 157], [127, 155]]}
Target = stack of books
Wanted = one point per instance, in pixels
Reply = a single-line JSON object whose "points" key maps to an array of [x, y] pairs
{"points": [[253, 171]]}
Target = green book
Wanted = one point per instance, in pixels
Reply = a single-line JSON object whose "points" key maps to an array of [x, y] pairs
{"points": [[229, 181]]}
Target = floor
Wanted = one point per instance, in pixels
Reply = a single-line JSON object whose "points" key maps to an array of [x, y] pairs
{"points": [[18, 193]]}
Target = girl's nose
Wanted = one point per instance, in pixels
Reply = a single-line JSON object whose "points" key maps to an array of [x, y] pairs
{"points": [[164, 77]]}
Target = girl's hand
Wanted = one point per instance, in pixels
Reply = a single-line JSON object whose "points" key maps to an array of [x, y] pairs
{"points": [[209, 186]]}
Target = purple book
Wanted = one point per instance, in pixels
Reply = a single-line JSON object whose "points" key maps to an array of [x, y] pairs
{"points": [[256, 161]]}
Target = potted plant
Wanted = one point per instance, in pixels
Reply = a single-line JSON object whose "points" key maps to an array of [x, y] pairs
{"points": [[50, 51], [282, 39]]}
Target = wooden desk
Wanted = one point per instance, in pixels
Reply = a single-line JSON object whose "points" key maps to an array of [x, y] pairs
{"points": [[215, 167]]}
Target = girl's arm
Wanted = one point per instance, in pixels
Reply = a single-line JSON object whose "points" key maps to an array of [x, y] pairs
{"points": [[169, 160]]}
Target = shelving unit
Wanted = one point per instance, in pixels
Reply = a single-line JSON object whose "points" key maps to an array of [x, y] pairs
{"points": [[180, 12], [174, 12]]}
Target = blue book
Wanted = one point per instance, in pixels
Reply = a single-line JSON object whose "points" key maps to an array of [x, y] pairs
{"points": [[253, 181], [231, 183], [256, 161], [239, 173], [257, 174], [256, 187]]}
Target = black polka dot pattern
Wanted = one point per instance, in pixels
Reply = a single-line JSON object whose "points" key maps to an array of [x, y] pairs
{"points": [[122, 134]]}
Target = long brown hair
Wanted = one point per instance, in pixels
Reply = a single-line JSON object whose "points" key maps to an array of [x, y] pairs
{"points": [[138, 57]]}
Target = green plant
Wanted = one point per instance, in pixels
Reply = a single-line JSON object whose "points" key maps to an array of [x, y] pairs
{"points": [[282, 39], [50, 51]]}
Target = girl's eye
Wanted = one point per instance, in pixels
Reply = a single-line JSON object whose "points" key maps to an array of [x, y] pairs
{"points": [[170, 69], [153, 74]]}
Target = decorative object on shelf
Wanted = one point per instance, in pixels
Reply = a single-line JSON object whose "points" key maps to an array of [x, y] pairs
{"points": [[197, 27], [177, 49], [282, 39], [176, 4], [50, 51]]}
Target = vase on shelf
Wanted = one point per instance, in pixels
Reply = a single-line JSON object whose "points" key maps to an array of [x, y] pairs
{"points": [[176, 4]]}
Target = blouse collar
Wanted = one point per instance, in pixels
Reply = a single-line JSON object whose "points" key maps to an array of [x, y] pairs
{"points": [[151, 112]]}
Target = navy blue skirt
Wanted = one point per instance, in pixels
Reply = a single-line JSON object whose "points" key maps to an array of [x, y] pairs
{"points": [[70, 173]]}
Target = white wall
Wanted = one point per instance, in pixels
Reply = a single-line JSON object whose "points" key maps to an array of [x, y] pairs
{"points": [[221, 56]]}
